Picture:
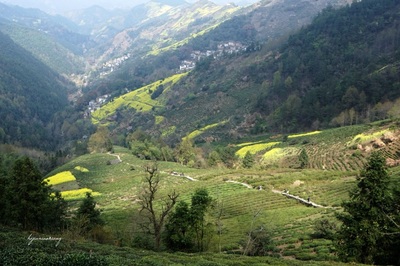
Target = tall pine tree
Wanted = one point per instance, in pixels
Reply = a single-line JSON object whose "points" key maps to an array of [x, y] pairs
{"points": [[366, 220], [87, 210], [29, 202]]}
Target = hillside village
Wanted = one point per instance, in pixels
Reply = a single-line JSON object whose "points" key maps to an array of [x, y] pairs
{"points": [[109, 66], [96, 104], [223, 48], [186, 65]]}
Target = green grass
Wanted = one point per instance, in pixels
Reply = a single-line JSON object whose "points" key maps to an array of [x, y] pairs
{"points": [[14, 240], [120, 189]]}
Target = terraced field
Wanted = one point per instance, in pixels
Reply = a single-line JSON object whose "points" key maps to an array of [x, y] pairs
{"points": [[120, 186], [333, 167], [341, 149], [140, 100]]}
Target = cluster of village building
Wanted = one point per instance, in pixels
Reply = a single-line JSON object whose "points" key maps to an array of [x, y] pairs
{"points": [[224, 48], [96, 104], [109, 66], [186, 65]]}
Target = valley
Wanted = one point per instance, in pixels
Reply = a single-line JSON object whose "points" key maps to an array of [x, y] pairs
{"points": [[196, 133]]}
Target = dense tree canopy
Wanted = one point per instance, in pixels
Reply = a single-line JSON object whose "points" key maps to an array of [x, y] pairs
{"points": [[100, 141], [338, 71], [186, 229]]}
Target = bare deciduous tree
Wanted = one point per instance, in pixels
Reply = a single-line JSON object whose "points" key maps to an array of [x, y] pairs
{"points": [[155, 216]]}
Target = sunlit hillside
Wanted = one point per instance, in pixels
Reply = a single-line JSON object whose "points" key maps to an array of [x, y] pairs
{"points": [[247, 198]]}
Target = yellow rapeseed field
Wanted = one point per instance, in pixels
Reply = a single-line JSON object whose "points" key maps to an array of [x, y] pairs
{"points": [[77, 193], [304, 134], [81, 169], [255, 148], [60, 178], [200, 131], [276, 154], [361, 138]]}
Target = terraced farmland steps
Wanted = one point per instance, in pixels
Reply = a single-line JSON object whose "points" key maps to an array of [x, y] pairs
{"points": [[307, 202], [301, 200]]}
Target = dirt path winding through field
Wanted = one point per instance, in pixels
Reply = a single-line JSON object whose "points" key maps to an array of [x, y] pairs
{"points": [[301, 200], [243, 184], [183, 175], [116, 155]]}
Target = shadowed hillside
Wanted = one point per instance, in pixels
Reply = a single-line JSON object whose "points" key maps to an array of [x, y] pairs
{"points": [[31, 93]]}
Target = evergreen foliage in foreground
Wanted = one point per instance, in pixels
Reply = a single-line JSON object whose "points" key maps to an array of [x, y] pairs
{"points": [[87, 210], [370, 230], [28, 201]]}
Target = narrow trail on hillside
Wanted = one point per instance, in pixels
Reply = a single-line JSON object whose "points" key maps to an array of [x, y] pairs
{"points": [[301, 200], [116, 155], [183, 175], [236, 182]]}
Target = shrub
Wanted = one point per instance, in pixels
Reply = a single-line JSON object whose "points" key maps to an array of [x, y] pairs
{"points": [[30, 256], [81, 259], [324, 228], [207, 263], [258, 243], [153, 261]]}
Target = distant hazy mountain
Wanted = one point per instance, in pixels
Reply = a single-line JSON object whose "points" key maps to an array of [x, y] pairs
{"points": [[44, 48], [62, 6], [60, 28]]}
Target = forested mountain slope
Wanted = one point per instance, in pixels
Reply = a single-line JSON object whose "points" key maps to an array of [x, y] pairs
{"points": [[45, 48], [185, 32], [31, 93], [342, 69], [156, 25]]}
